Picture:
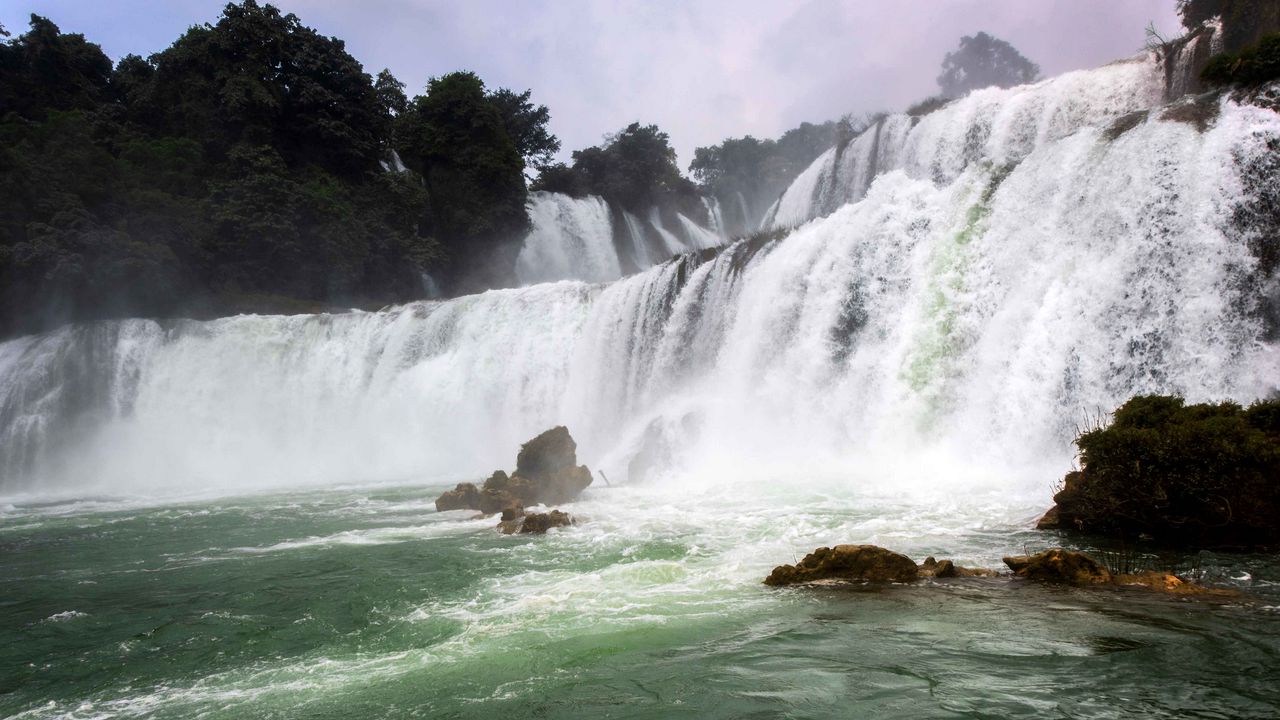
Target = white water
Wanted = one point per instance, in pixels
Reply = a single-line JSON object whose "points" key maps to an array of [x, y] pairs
{"points": [[994, 126], [573, 239], [943, 334]]}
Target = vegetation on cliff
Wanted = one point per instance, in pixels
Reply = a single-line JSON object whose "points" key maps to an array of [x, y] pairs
{"points": [[1254, 65]]}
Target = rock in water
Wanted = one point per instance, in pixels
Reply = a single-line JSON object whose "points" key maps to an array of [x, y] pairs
{"points": [[547, 455], [1066, 567], [534, 523], [542, 522], [847, 562], [464, 497], [547, 472]]}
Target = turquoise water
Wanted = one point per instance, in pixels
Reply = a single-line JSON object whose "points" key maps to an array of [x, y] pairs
{"points": [[365, 602]]}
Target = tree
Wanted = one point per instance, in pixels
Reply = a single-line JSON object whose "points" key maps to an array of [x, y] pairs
{"points": [[983, 61], [635, 168], [44, 69], [262, 78], [390, 93], [455, 137], [527, 126], [237, 170]]}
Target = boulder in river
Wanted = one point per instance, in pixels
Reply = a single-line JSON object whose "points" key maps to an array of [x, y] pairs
{"points": [[868, 563], [465, 496], [547, 472]]}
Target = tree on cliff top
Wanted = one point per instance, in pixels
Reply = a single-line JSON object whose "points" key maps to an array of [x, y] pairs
{"points": [[635, 167], [982, 61]]}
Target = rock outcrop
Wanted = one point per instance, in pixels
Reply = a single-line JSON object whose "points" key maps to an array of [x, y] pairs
{"points": [[868, 563], [547, 472]]}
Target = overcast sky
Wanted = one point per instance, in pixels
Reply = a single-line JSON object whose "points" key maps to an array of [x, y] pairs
{"points": [[702, 71]]}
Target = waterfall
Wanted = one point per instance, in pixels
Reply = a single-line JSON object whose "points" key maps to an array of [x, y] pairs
{"points": [[1021, 264], [570, 238], [573, 238], [994, 126]]}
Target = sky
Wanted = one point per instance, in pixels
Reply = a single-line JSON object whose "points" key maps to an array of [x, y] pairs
{"points": [[701, 70]]}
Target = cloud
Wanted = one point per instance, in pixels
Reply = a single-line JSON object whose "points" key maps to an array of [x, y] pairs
{"points": [[702, 71]]}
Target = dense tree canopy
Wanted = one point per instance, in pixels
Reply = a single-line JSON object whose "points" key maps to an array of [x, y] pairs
{"points": [[456, 139], [250, 165], [635, 168], [982, 61]]}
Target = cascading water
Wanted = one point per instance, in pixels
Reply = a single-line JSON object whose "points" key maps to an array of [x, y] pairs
{"points": [[993, 125], [960, 318], [573, 239]]}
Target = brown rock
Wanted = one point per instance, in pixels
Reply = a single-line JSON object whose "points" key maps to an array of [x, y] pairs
{"points": [[512, 520], [847, 562], [463, 497], [1067, 567], [536, 523], [547, 455], [938, 568], [948, 569], [565, 486], [1051, 520], [546, 473]]}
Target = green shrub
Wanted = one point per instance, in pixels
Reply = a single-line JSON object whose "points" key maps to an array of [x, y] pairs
{"points": [[1188, 474]]}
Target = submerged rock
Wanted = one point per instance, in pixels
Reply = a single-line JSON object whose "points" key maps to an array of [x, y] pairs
{"points": [[547, 472], [847, 562], [516, 521], [948, 569]]}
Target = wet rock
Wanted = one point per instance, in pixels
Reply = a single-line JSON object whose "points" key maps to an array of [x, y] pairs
{"points": [[466, 496], [948, 569], [1066, 567], [533, 523], [847, 562], [937, 568], [547, 455], [542, 522], [512, 520], [547, 472], [565, 486]]}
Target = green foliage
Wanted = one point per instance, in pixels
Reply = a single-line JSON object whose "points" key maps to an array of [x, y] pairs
{"points": [[982, 61], [635, 168], [455, 137], [43, 70], [247, 163], [526, 123], [1190, 474], [1254, 65]]}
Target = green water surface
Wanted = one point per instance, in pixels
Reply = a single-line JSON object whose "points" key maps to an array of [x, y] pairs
{"points": [[366, 603]]}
